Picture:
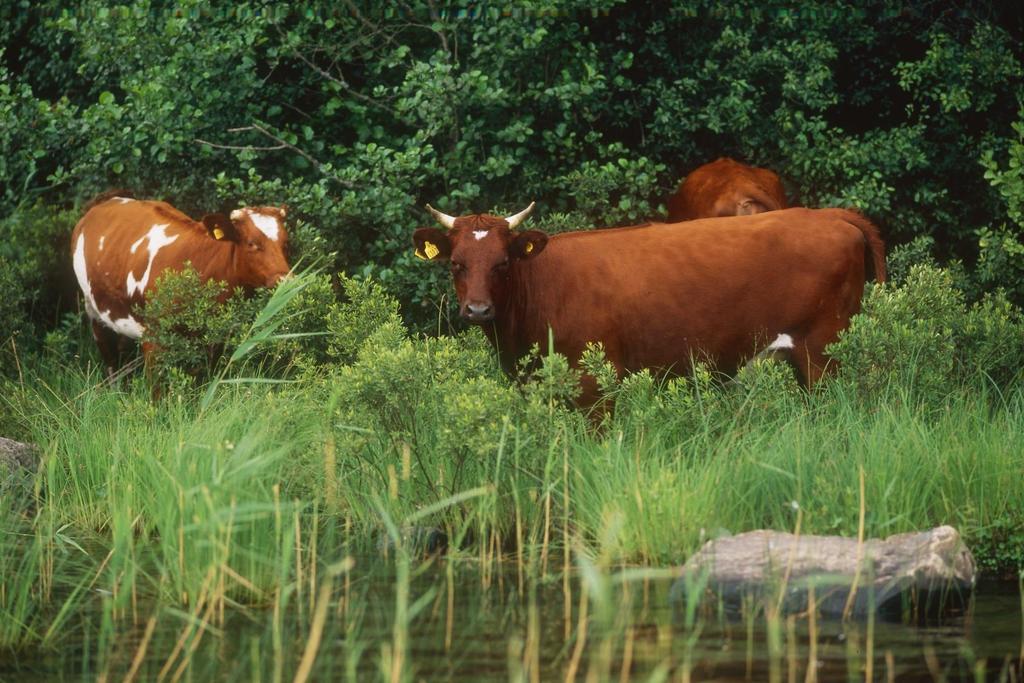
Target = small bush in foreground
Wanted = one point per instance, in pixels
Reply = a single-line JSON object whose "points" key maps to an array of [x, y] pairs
{"points": [[192, 323], [922, 336]]}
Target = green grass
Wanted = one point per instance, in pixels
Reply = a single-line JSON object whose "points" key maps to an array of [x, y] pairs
{"points": [[238, 501], [249, 499]]}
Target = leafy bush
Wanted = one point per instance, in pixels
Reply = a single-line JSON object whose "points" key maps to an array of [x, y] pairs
{"points": [[192, 323], [876, 108], [36, 282], [922, 336], [618, 191], [675, 408], [903, 257], [989, 340], [430, 417]]}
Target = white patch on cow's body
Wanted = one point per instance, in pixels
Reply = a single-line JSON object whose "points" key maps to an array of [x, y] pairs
{"points": [[480, 234], [123, 200], [102, 237], [158, 239], [783, 341], [265, 224], [127, 326]]}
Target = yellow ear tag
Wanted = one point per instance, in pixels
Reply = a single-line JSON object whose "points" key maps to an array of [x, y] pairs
{"points": [[420, 255], [431, 249], [528, 248], [218, 234]]}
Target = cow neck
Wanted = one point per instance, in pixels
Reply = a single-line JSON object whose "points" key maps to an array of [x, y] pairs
{"points": [[507, 332], [218, 259]]}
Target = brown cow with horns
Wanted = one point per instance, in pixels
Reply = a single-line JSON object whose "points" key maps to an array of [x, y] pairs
{"points": [[656, 296], [122, 245]]}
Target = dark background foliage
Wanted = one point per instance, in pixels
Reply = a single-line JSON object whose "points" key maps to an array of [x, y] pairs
{"points": [[356, 114]]}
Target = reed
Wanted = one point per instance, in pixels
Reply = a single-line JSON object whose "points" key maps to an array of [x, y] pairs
{"points": [[165, 525]]}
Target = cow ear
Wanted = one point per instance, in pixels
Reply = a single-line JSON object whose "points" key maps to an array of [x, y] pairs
{"points": [[528, 244], [432, 244], [220, 227]]}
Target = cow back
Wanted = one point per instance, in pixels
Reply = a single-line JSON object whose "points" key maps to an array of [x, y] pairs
{"points": [[121, 246], [726, 187], [658, 296]]}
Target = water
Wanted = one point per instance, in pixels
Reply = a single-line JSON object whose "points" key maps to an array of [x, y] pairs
{"points": [[465, 624]]}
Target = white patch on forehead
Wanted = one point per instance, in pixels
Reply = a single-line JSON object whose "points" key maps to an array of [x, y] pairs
{"points": [[123, 200], [480, 234], [783, 341], [158, 239], [102, 237], [265, 224], [127, 326]]}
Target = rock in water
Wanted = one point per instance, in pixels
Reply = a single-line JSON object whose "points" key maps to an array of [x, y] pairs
{"points": [[919, 574]]}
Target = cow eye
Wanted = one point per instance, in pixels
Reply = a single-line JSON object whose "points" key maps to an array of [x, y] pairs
{"points": [[457, 268], [502, 267], [252, 245]]}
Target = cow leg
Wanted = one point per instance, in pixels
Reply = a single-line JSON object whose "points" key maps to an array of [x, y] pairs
{"points": [[589, 393], [590, 398], [808, 353], [149, 351], [809, 348], [780, 350], [107, 341]]}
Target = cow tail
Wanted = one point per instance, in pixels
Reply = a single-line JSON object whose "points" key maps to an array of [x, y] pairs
{"points": [[873, 246], [109, 194]]}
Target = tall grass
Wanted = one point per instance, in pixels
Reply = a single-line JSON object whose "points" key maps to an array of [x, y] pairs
{"points": [[157, 523], [957, 465]]}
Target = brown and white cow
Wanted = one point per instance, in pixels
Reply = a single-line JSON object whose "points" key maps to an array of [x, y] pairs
{"points": [[122, 245], [726, 188], [656, 296]]}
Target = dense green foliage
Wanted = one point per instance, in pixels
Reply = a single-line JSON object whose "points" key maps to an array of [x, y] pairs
{"points": [[356, 117]]}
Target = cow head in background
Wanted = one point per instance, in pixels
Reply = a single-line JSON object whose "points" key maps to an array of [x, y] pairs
{"points": [[260, 241], [482, 250]]}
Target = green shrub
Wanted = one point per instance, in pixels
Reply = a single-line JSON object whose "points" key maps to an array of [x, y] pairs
{"points": [[676, 408], [1001, 260], [904, 336], [475, 110], [1001, 249], [903, 257], [921, 336], [620, 191], [193, 324], [35, 278], [352, 323], [990, 340]]}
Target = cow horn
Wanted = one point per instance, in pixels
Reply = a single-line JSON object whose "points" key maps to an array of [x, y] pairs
{"points": [[442, 218], [518, 218]]}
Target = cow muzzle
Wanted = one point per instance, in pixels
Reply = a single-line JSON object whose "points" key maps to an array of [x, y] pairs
{"points": [[478, 312], [276, 279]]}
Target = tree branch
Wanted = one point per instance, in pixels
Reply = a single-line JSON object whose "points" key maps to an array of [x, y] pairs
{"points": [[281, 144]]}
